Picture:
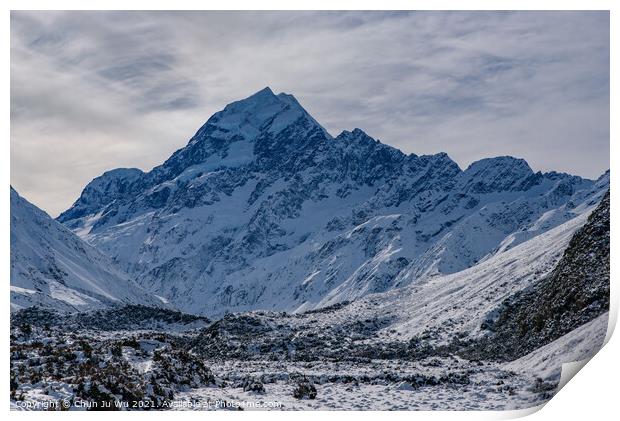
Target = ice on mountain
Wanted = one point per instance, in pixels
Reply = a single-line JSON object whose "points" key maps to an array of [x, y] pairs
{"points": [[262, 197]]}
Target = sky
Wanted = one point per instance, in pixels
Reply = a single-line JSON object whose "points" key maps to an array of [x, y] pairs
{"points": [[94, 91]]}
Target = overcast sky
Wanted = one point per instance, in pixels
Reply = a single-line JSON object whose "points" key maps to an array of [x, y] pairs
{"points": [[93, 91]]}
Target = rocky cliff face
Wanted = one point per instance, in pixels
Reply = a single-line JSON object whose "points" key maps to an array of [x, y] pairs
{"points": [[574, 293], [102, 191], [263, 209]]}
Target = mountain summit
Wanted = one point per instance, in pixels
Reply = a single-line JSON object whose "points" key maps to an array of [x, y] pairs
{"points": [[263, 209]]}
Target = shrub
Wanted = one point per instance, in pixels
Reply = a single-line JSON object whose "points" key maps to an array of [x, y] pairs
{"points": [[304, 389]]}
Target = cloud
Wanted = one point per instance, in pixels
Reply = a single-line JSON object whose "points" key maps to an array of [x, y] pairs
{"points": [[91, 91]]}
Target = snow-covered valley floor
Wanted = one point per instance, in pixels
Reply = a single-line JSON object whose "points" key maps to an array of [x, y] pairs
{"points": [[375, 386], [388, 385], [432, 383]]}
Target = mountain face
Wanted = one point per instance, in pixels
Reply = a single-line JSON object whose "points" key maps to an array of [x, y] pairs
{"points": [[263, 209], [104, 189], [574, 293], [432, 317], [53, 268]]}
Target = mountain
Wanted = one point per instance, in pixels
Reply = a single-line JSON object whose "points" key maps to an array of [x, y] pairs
{"points": [[52, 267], [414, 341], [263, 209], [413, 322], [104, 189], [442, 317], [573, 294]]}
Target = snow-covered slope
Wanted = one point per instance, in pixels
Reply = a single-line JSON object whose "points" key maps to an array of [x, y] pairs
{"points": [[440, 308], [577, 345], [438, 315], [263, 209], [52, 267], [410, 346], [574, 293]]}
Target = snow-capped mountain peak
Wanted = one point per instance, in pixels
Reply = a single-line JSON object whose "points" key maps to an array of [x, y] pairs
{"points": [[495, 175], [248, 118], [101, 191], [263, 209], [246, 131]]}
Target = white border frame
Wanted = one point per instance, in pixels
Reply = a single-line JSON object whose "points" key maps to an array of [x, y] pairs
{"points": [[593, 394]]}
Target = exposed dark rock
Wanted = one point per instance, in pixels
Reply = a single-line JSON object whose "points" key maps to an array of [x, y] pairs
{"points": [[574, 293], [304, 389], [129, 317]]}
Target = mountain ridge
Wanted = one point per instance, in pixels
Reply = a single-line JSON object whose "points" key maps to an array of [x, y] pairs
{"points": [[51, 267], [263, 209]]}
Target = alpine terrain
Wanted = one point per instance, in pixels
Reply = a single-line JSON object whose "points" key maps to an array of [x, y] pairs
{"points": [[54, 268], [263, 209], [269, 265]]}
